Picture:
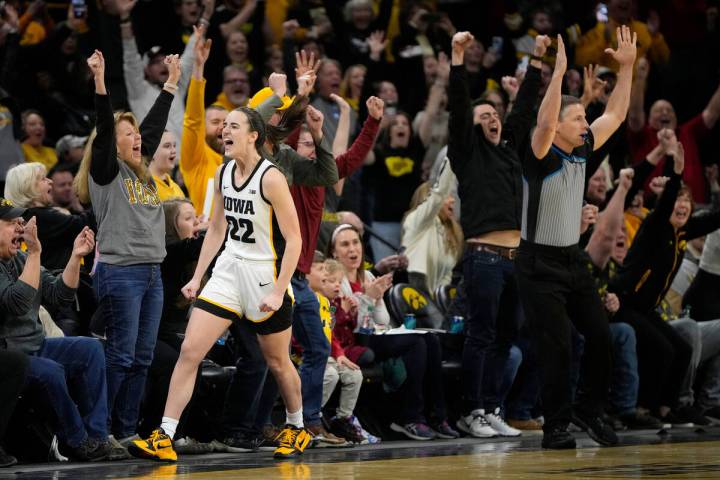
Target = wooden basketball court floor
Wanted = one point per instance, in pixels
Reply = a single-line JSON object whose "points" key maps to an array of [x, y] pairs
{"points": [[677, 454]]}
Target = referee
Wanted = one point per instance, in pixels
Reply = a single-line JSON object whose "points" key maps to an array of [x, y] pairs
{"points": [[555, 285]]}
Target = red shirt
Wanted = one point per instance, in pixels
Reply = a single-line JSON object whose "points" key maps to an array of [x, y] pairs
{"points": [[689, 133], [309, 201]]}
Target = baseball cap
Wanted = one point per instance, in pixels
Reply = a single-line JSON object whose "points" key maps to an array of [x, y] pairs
{"points": [[10, 212], [266, 93], [67, 142]]}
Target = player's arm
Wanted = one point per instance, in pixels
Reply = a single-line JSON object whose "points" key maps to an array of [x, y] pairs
{"points": [[213, 240], [275, 189]]}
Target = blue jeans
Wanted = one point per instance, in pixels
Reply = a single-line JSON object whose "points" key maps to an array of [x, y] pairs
{"points": [[512, 366], [307, 329], [131, 299], [625, 379], [80, 362], [494, 319]]}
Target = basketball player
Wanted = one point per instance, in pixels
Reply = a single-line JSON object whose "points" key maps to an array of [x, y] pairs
{"points": [[250, 281]]}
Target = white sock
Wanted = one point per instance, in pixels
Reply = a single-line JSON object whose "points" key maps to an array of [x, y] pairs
{"points": [[169, 425], [294, 419]]}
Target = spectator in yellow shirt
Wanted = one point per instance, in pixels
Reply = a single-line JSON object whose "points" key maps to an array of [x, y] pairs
{"points": [[201, 147], [162, 165], [33, 126], [650, 42]]}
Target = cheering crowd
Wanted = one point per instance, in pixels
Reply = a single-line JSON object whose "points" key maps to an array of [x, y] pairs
{"points": [[241, 201]]}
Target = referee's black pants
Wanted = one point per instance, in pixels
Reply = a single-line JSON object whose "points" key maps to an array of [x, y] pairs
{"points": [[557, 291]]}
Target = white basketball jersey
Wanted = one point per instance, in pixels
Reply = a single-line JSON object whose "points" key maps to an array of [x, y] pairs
{"points": [[252, 231]]}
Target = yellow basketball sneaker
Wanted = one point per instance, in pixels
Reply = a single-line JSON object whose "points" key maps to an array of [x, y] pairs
{"points": [[158, 447], [292, 441]]}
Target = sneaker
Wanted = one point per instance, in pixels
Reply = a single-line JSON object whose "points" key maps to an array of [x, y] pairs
{"points": [[498, 424], [414, 431], [292, 442], [558, 438], [524, 424], [190, 446], [117, 450], [323, 439], [345, 428], [125, 442], [371, 439], [614, 421], [444, 430], [692, 415], [235, 444], [641, 421], [91, 450], [158, 447], [476, 425], [598, 430], [675, 421], [6, 460]]}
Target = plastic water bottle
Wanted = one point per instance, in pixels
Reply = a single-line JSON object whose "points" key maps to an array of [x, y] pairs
{"points": [[457, 324], [410, 321], [366, 325]]}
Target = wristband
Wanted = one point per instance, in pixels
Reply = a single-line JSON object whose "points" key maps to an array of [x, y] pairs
{"points": [[171, 87], [536, 57]]}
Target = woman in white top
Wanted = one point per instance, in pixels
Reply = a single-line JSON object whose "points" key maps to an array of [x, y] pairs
{"points": [[431, 234]]}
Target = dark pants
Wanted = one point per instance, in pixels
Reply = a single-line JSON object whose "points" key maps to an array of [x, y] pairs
{"points": [[422, 357], [663, 358], [702, 297], [131, 300], [308, 331], [494, 319], [525, 392], [558, 292], [13, 367], [243, 397], [71, 371]]}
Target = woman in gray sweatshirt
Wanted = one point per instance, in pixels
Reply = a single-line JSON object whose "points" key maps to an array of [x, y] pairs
{"points": [[114, 177]]}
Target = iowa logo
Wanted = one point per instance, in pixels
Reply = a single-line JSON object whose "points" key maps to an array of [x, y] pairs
{"points": [[413, 298], [399, 166]]}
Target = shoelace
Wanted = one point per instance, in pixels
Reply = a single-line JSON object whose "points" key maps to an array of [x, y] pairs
{"points": [[481, 420], [155, 435], [287, 437], [498, 419]]}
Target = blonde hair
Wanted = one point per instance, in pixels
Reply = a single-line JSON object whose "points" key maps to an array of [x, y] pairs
{"points": [[81, 182], [345, 83], [454, 237], [21, 182], [332, 266]]}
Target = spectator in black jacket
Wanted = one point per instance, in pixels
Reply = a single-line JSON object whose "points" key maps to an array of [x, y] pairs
{"points": [[642, 282], [484, 154]]}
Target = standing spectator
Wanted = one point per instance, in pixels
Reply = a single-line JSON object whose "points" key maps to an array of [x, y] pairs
{"points": [[131, 240], [643, 131], [329, 77], [554, 283], [146, 76], [13, 368], [162, 165], [431, 124], [431, 234], [201, 148], [393, 176], [55, 363], [485, 157], [33, 126], [69, 150], [235, 90]]}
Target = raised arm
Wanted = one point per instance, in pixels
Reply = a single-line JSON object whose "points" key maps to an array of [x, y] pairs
{"points": [[421, 219], [276, 190], [153, 125], [636, 111], [609, 222], [240, 18], [104, 165], [712, 110], [460, 125], [323, 171], [83, 245], [133, 68], [549, 112], [214, 238], [16, 297], [342, 134], [617, 106], [435, 98]]}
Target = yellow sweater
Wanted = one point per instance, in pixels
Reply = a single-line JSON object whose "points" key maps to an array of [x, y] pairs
{"points": [[591, 46], [198, 161], [167, 189], [44, 155]]}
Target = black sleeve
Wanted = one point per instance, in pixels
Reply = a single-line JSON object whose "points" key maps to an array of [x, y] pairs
{"points": [[185, 251], [56, 225], [382, 20], [702, 224], [642, 172], [153, 125], [666, 202], [288, 51], [521, 118], [104, 164], [460, 125], [257, 38]]}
